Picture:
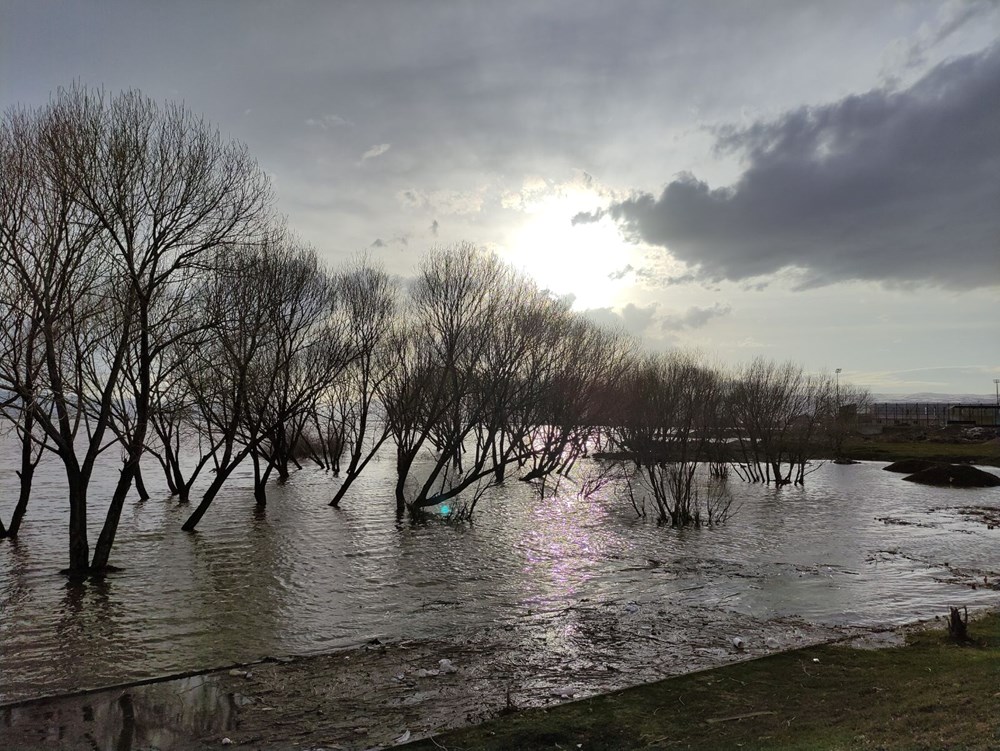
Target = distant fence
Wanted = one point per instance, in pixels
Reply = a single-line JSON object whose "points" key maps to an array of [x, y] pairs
{"points": [[930, 413]]}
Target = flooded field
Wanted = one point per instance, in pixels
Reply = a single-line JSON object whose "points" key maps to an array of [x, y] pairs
{"points": [[561, 588]]}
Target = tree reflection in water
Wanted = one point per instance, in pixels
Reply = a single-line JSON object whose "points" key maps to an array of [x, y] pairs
{"points": [[164, 715]]}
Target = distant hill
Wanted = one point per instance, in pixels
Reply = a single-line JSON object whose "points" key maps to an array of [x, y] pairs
{"points": [[927, 396]]}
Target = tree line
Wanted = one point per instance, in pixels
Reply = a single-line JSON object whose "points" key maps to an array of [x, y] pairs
{"points": [[153, 304]]}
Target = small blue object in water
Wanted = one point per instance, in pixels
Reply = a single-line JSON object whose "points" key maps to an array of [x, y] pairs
{"points": [[446, 509]]}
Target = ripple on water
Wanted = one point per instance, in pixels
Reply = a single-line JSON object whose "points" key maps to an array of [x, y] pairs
{"points": [[303, 578]]}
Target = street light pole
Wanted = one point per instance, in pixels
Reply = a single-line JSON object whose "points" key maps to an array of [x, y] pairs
{"points": [[837, 371], [996, 413]]}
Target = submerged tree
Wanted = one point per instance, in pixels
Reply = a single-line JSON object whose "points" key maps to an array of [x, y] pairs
{"points": [[352, 420], [671, 406], [775, 411], [582, 364], [473, 370], [312, 349], [21, 356], [276, 347], [55, 281], [126, 198], [432, 399]]}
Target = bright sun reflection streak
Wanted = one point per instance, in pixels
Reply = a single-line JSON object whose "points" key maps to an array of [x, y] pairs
{"points": [[571, 259]]}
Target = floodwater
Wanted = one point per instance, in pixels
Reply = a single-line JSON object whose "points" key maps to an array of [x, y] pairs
{"points": [[856, 546]]}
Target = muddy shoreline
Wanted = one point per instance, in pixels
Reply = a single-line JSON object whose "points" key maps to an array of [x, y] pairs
{"points": [[378, 695]]}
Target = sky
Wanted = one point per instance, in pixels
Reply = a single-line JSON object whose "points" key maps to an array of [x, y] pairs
{"points": [[808, 181]]}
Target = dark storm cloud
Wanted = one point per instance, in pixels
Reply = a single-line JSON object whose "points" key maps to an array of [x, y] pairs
{"points": [[896, 186]]}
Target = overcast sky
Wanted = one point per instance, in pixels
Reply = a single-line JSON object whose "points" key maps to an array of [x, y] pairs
{"points": [[815, 181]]}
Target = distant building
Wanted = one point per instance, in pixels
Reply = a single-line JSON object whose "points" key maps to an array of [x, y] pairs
{"points": [[983, 415]]}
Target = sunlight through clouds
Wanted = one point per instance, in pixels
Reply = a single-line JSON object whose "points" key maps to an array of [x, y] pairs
{"points": [[583, 260]]}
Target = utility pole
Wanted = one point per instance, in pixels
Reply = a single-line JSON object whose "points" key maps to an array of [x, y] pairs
{"points": [[996, 412]]}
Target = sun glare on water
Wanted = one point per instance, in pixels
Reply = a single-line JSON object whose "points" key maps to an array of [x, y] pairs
{"points": [[571, 259]]}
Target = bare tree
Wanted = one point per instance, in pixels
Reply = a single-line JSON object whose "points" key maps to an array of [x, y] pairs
{"points": [[311, 352], [20, 357], [55, 284], [848, 401], [460, 375], [172, 414], [167, 189], [670, 418], [585, 361], [775, 411], [369, 300], [277, 347], [127, 197]]}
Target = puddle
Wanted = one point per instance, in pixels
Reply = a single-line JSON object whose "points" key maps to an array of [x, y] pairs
{"points": [[167, 715]]}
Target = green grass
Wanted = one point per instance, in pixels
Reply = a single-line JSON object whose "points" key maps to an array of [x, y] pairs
{"points": [[987, 453], [930, 694]]}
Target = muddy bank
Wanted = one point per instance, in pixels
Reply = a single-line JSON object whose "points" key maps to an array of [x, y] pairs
{"points": [[379, 694], [956, 476]]}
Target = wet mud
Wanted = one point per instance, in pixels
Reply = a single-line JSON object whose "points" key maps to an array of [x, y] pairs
{"points": [[380, 694]]}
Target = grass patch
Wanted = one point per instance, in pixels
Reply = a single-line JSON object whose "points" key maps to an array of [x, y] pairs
{"points": [[930, 694], [987, 453]]}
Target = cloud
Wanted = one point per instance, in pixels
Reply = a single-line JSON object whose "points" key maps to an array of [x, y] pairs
{"points": [[634, 319], [894, 186], [950, 18], [695, 317], [638, 318], [376, 151], [749, 342], [326, 122], [972, 379], [397, 240], [621, 273], [451, 202]]}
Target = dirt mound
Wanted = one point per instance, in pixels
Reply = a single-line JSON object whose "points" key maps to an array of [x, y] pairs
{"points": [[909, 466], [956, 476]]}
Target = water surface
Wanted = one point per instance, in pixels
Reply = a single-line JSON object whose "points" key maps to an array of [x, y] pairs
{"points": [[856, 546]]}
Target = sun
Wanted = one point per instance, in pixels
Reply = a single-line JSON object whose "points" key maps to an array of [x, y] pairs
{"points": [[584, 260]]}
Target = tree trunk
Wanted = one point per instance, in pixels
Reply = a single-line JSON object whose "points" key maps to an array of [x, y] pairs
{"points": [[26, 475], [206, 501], [224, 468], [403, 464], [171, 465], [400, 496], [341, 492], [102, 552], [79, 547], [359, 461], [140, 486], [169, 477], [260, 480]]}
